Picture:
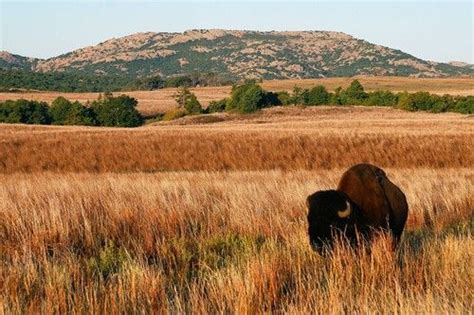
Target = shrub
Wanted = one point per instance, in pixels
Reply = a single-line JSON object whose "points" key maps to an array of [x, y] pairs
{"points": [[64, 112], [24, 111], [174, 114], [354, 94], [318, 95], [246, 98], [6, 109], [187, 100], [299, 96], [335, 98], [117, 111], [251, 100], [416, 101], [442, 103], [284, 97], [217, 106], [192, 105], [464, 105], [381, 98]]}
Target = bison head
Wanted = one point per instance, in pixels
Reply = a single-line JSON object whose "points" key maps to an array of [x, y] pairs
{"points": [[331, 214]]}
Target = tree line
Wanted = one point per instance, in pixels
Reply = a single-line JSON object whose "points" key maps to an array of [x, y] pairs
{"points": [[74, 82], [187, 80], [250, 97], [108, 111], [11, 80]]}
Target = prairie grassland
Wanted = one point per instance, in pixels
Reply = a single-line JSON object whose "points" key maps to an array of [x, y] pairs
{"points": [[277, 138], [224, 242], [152, 102], [219, 223]]}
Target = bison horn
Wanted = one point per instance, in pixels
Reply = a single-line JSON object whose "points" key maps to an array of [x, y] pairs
{"points": [[346, 212]]}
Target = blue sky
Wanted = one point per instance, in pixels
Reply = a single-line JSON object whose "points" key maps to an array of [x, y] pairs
{"points": [[434, 30]]}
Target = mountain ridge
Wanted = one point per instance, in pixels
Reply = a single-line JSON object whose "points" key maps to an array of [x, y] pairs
{"points": [[238, 54]]}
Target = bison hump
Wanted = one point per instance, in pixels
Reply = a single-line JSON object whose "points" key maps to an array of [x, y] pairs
{"points": [[362, 184]]}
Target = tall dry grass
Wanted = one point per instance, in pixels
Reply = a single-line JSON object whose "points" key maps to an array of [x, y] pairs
{"points": [[277, 138], [221, 228], [224, 242]]}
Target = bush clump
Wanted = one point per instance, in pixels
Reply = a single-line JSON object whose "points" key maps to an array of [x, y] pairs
{"points": [[354, 94], [65, 112], [217, 106], [381, 98], [109, 111], [464, 105], [25, 112], [416, 101], [318, 95], [284, 97], [249, 97], [187, 100], [246, 98], [299, 96], [117, 111]]}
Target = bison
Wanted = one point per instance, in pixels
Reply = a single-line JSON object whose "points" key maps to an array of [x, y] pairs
{"points": [[365, 201]]}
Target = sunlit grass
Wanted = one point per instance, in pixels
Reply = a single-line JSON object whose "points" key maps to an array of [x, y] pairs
{"points": [[210, 217], [224, 242]]}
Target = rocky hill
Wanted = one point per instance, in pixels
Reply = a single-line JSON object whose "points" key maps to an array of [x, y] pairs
{"points": [[16, 62], [239, 54]]}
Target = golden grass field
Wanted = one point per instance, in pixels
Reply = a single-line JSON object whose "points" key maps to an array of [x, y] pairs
{"points": [[152, 102], [206, 214]]}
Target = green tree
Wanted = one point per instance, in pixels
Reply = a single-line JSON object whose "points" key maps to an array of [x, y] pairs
{"points": [[24, 111], [464, 105], [442, 104], [318, 95], [217, 106], [299, 96], [335, 98], [65, 112], [354, 94], [381, 98], [187, 100], [192, 105], [284, 97], [252, 99], [416, 101], [6, 108], [246, 98], [117, 111]]}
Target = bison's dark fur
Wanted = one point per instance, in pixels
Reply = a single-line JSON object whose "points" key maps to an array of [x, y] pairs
{"points": [[375, 204], [324, 223]]}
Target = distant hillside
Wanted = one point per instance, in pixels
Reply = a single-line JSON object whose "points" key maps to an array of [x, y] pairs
{"points": [[16, 62], [237, 55]]}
